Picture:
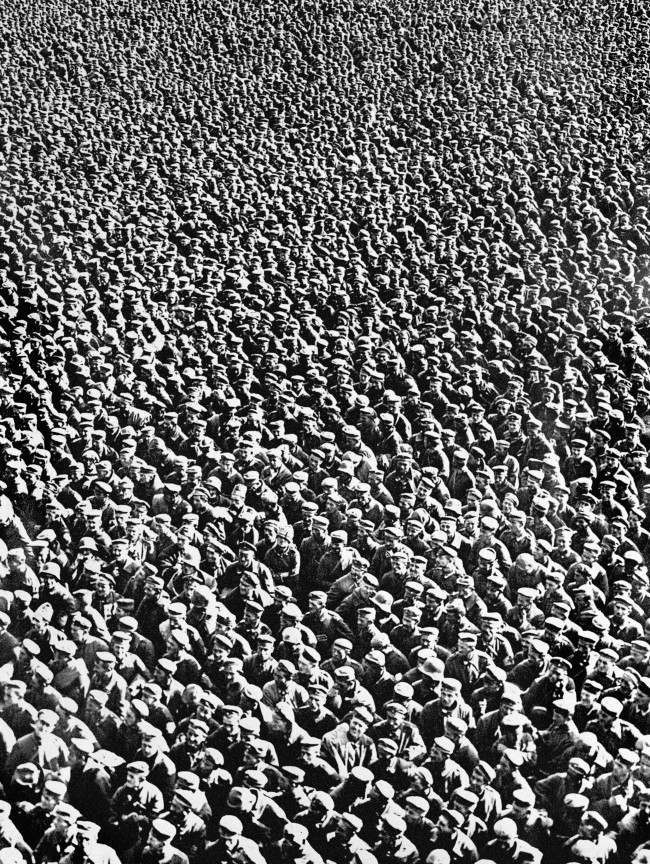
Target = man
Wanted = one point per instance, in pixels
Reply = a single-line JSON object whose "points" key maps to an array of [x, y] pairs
{"points": [[41, 746], [190, 828], [162, 768], [341, 656], [231, 845], [465, 754], [406, 636], [506, 846], [447, 775], [158, 847], [448, 704], [321, 820], [371, 809], [636, 710], [348, 745], [612, 732], [555, 684], [375, 678], [592, 829], [40, 693], [360, 596], [493, 641], [69, 726], [283, 688], [552, 790], [102, 722], [313, 548], [450, 838], [246, 564], [555, 743], [393, 846], [43, 633], [348, 693], [326, 625], [634, 828], [389, 767], [509, 777], [88, 847], [489, 806], [294, 847], [345, 845], [60, 838], [88, 645], [105, 678], [258, 668], [135, 804], [464, 664], [533, 826], [131, 667], [71, 677], [314, 717], [17, 713], [524, 673], [91, 778], [283, 559], [612, 792], [319, 774], [33, 820], [20, 576], [420, 830], [398, 729], [188, 748], [10, 836]]}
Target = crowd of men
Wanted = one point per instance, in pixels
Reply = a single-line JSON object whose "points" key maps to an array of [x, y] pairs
{"points": [[324, 429]]}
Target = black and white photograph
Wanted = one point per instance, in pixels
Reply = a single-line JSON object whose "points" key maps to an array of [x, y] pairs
{"points": [[324, 432]]}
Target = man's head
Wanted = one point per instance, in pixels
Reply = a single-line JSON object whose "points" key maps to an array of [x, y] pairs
{"points": [[161, 835]]}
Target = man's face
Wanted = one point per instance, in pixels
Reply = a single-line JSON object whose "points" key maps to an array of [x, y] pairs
{"points": [[42, 727], [102, 670], [281, 676], [154, 842], [356, 729], [470, 524], [119, 648], [606, 718], [316, 701], [195, 736], [149, 746], [49, 800], [644, 810], [93, 708], [16, 564], [228, 838], [502, 840], [465, 647], [620, 771], [587, 830], [94, 523], [477, 780], [134, 780], [411, 618], [177, 812], [102, 587], [448, 526], [516, 524], [513, 426]]}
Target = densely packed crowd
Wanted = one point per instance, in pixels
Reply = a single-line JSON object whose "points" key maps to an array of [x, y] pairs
{"points": [[324, 428]]}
